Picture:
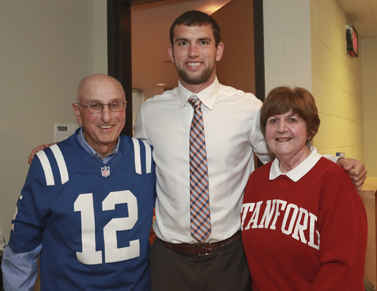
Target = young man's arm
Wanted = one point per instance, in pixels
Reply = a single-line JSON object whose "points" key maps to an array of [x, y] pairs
{"points": [[356, 170]]}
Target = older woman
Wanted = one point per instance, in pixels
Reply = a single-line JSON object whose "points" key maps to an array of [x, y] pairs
{"points": [[303, 223]]}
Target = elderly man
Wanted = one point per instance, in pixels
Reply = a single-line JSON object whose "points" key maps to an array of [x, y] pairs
{"points": [[87, 204]]}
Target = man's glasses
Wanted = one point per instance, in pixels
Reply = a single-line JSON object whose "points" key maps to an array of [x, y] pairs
{"points": [[96, 107]]}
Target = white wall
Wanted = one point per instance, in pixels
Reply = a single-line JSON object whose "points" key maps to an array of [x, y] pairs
{"points": [[46, 48], [287, 43]]}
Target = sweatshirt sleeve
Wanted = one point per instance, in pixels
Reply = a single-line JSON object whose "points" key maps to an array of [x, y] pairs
{"points": [[343, 236]]}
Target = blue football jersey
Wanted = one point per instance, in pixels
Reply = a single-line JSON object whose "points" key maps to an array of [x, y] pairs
{"points": [[92, 219]]}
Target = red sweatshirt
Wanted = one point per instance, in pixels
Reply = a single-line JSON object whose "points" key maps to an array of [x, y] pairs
{"points": [[304, 235]]}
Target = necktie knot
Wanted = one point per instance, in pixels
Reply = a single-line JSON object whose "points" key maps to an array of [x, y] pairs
{"points": [[195, 103]]}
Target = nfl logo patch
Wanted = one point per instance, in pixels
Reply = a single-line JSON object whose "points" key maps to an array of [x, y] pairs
{"points": [[105, 171]]}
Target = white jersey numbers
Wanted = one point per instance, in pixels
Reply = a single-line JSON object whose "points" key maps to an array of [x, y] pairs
{"points": [[112, 252], [89, 255]]}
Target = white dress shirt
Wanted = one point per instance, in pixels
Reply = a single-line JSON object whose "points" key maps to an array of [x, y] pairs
{"points": [[232, 133]]}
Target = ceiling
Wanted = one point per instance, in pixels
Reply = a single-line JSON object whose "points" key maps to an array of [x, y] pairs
{"points": [[363, 15], [150, 34]]}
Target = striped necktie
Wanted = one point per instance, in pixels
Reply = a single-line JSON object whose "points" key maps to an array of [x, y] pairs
{"points": [[199, 190]]}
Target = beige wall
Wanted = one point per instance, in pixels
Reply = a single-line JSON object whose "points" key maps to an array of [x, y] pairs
{"points": [[46, 47], [337, 82], [369, 82]]}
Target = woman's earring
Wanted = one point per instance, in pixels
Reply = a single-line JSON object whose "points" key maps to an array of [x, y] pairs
{"points": [[308, 143]]}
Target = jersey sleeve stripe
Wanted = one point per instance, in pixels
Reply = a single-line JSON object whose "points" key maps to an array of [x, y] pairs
{"points": [[148, 156], [46, 168], [61, 163], [137, 156]]}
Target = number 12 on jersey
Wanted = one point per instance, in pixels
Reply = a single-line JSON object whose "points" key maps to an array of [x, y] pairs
{"points": [[89, 254]]}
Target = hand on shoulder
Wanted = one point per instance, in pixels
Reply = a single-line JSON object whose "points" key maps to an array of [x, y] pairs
{"points": [[355, 169]]}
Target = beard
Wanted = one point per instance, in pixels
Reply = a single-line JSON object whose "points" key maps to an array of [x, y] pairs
{"points": [[195, 79]]}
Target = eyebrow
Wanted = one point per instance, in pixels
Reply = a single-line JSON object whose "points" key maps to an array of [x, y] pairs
{"points": [[111, 100], [198, 39], [180, 39]]}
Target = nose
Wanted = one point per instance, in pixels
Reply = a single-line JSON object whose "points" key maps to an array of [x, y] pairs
{"points": [[106, 114], [282, 126], [193, 50]]}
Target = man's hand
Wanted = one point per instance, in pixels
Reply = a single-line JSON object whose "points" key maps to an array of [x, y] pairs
{"points": [[355, 169], [37, 149]]}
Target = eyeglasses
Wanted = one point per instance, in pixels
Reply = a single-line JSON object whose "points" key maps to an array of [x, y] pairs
{"points": [[96, 107]]}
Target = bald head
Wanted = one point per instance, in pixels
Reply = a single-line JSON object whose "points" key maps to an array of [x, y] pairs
{"points": [[89, 84]]}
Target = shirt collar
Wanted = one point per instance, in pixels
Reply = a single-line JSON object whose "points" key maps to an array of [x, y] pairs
{"points": [[207, 96], [300, 170], [90, 150]]}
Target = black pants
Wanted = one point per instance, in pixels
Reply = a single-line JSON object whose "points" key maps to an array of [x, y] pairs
{"points": [[225, 270]]}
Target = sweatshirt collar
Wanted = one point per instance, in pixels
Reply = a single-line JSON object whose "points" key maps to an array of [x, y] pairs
{"points": [[299, 171]]}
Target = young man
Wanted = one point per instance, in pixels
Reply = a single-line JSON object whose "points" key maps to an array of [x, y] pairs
{"points": [[87, 204], [179, 261]]}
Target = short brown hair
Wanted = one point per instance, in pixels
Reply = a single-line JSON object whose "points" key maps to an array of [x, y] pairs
{"points": [[283, 99], [196, 18]]}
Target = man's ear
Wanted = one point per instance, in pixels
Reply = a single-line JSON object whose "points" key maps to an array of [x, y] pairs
{"points": [[76, 110], [170, 52], [219, 51]]}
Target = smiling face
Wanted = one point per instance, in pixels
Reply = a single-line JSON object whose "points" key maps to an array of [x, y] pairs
{"points": [[101, 130], [195, 54], [286, 136]]}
